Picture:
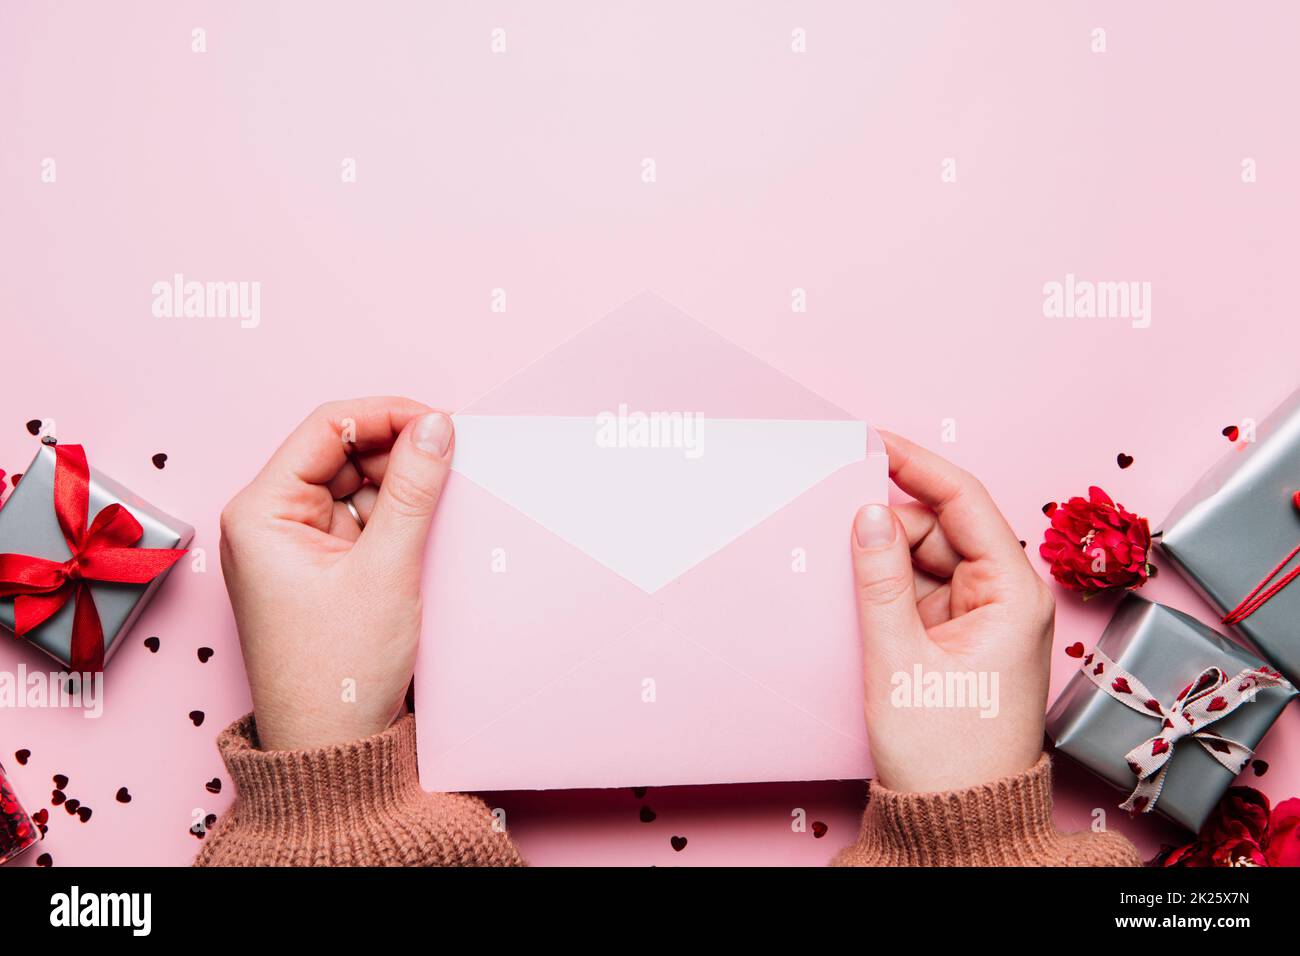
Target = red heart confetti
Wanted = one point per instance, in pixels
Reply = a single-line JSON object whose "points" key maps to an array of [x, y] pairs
{"points": [[45, 860], [648, 815], [213, 785], [196, 717], [679, 843], [1050, 508], [205, 654], [1260, 767], [1123, 460], [61, 781], [84, 813], [159, 461], [57, 797], [123, 795], [1230, 432], [34, 426], [71, 806], [41, 816], [153, 644], [819, 829], [21, 756]]}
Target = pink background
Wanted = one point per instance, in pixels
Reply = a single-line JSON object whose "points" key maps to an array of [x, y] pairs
{"points": [[522, 171]]}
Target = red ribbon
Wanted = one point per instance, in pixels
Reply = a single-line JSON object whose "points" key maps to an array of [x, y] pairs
{"points": [[104, 552], [1257, 598]]}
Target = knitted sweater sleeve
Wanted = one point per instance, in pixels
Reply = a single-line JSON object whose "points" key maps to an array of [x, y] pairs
{"points": [[1004, 823], [357, 804]]}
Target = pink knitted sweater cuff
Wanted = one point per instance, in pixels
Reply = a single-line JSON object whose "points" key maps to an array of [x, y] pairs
{"points": [[352, 804], [1007, 822]]}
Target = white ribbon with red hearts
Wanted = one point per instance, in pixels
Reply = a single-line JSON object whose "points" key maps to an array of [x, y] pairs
{"points": [[1210, 697]]}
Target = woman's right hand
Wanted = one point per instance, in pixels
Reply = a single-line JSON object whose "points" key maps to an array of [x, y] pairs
{"points": [[944, 583]]}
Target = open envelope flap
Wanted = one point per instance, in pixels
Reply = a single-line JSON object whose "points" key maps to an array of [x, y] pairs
{"points": [[651, 513]]}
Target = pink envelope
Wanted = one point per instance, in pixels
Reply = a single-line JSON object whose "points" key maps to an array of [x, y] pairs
{"points": [[639, 573]]}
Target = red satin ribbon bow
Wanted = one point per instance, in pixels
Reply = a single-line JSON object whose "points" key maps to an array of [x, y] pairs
{"points": [[104, 552]]}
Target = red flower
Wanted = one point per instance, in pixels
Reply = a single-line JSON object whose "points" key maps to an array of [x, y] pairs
{"points": [[1094, 545], [1242, 832], [1283, 845]]}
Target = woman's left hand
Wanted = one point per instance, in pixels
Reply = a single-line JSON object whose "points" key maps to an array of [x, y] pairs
{"points": [[329, 614]]}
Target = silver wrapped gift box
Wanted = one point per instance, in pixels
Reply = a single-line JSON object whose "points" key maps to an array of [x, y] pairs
{"points": [[29, 525], [1237, 523], [1166, 650]]}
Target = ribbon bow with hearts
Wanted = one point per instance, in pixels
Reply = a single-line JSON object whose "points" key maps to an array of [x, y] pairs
{"points": [[1212, 696], [103, 552]]}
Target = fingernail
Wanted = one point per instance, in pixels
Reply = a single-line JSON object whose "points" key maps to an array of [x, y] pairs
{"points": [[874, 527], [433, 433]]}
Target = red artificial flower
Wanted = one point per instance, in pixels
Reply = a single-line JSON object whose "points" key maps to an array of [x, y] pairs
{"points": [[1283, 845], [1243, 832], [1095, 545]]}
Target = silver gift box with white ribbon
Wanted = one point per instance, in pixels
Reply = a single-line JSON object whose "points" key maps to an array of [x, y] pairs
{"points": [[1166, 650]]}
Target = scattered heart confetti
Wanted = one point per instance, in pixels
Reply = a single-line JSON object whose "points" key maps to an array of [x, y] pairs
{"points": [[205, 654], [1050, 508], [1075, 649], [1024, 543], [21, 756], [648, 815], [1230, 432], [61, 781], [639, 792], [159, 461], [213, 785], [15, 479], [71, 806], [41, 816], [153, 644], [196, 716], [679, 843], [57, 797], [45, 860], [123, 795], [34, 427], [210, 821], [1123, 460], [819, 829], [84, 813], [1260, 767]]}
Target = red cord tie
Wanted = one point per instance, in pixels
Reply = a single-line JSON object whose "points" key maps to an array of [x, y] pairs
{"points": [[105, 551], [1264, 592]]}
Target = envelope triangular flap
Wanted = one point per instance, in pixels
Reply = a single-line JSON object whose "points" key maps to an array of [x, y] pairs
{"points": [[649, 355], [650, 514], [649, 442]]}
